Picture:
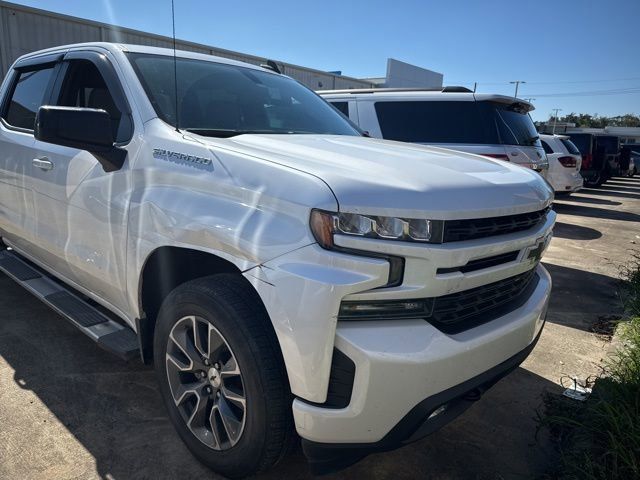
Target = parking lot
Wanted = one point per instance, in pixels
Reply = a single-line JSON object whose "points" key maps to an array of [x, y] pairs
{"points": [[70, 410]]}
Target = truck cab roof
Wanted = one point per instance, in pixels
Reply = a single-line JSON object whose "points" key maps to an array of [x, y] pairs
{"points": [[130, 48]]}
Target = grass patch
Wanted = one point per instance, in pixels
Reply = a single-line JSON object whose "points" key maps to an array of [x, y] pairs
{"points": [[600, 438]]}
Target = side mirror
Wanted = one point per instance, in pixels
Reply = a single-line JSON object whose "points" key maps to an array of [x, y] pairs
{"points": [[83, 128]]}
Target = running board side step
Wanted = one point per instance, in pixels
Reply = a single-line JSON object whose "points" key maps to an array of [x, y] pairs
{"points": [[106, 332]]}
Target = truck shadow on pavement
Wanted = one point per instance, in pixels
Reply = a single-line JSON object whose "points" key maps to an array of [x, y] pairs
{"points": [[594, 212], [580, 298], [575, 232], [610, 193], [620, 187], [113, 409], [580, 199]]}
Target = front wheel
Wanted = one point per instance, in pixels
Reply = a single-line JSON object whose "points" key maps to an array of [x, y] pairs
{"points": [[222, 376]]}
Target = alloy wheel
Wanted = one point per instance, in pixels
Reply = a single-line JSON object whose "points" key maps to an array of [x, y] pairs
{"points": [[206, 383]]}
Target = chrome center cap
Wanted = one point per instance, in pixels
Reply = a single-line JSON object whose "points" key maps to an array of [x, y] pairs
{"points": [[214, 377]]}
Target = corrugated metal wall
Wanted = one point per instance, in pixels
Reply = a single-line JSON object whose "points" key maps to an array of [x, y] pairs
{"points": [[25, 29]]}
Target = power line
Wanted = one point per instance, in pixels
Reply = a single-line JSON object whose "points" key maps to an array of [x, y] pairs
{"points": [[587, 81], [592, 93], [562, 82]]}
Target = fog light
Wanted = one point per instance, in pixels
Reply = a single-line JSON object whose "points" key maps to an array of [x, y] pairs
{"points": [[382, 309]]}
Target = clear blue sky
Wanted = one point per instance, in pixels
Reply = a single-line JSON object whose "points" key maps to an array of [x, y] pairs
{"points": [[568, 48]]}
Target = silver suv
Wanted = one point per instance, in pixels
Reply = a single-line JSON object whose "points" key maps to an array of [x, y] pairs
{"points": [[491, 125]]}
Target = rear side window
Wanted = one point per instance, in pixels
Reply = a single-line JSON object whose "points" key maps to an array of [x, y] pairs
{"points": [[516, 128], [435, 122], [343, 107], [27, 97], [570, 146], [547, 148]]}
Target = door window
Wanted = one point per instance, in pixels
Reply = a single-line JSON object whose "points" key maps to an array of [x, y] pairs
{"points": [[85, 87], [28, 95]]}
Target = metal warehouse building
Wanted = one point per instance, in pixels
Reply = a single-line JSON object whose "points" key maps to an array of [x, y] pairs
{"points": [[25, 29]]}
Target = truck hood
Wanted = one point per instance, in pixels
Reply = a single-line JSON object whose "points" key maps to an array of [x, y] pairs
{"points": [[382, 177]]}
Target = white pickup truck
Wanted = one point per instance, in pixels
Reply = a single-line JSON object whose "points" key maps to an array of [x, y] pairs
{"points": [[283, 272]]}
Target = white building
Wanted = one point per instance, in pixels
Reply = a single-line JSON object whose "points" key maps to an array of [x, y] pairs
{"points": [[626, 134], [404, 75]]}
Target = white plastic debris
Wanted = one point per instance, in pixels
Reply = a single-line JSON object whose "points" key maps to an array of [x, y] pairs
{"points": [[577, 391]]}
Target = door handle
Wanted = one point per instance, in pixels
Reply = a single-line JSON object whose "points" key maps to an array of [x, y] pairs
{"points": [[42, 163]]}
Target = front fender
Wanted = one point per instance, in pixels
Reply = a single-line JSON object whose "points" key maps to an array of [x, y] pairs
{"points": [[302, 291]]}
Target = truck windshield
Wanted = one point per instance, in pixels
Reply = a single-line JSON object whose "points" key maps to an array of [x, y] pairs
{"points": [[222, 100]]}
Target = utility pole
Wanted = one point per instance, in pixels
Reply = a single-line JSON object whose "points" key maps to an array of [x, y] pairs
{"points": [[517, 84], [555, 119]]}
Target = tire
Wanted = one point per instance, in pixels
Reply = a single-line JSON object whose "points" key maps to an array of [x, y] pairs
{"points": [[249, 366]]}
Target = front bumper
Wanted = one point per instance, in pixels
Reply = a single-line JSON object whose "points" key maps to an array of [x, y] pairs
{"points": [[400, 363], [420, 421]]}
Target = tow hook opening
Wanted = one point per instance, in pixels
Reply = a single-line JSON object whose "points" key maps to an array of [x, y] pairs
{"points": [[438, 411], [474, 395]]}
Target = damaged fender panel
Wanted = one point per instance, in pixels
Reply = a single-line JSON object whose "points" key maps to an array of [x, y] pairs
{"points": [[228, 209], [302, 291]]}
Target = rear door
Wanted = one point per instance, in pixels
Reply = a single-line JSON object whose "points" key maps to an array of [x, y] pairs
{"points": [[27, 87]]}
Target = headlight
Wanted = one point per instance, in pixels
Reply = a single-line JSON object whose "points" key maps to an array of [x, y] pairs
{"points": [[325, 225]]}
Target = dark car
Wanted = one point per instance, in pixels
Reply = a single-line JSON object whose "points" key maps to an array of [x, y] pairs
{"points": [[600, 156], [629, 159]]}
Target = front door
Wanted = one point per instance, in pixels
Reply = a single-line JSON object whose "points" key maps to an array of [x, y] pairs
{"points": [[81, 209]]}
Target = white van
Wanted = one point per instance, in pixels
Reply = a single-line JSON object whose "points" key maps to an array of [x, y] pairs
{"points": [[495, 126]]}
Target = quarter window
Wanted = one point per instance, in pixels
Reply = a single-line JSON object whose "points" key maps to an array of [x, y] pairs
{"points": [[570, 146], [547, 148], [343, 107], [28, 96]]}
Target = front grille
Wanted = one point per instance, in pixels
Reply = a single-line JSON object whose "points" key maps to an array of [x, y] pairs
{"points": [[463, 310], [459, 230]]}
